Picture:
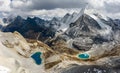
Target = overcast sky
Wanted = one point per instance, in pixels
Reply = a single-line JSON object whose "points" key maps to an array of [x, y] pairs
{"points": [[51, 8]]}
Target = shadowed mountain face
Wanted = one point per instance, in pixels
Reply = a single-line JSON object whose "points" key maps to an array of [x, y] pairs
{"points": [[90, 25], [86, 20], [1, 26], [30, 27], [83, 27]]}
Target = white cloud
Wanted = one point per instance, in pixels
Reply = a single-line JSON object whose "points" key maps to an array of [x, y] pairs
{"points": [[59, 8], [21, 4], [96, 3], [58, 12], [5, 5], [109, 8]]}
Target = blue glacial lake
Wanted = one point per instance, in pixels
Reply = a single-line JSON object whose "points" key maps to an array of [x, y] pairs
{"points": [[84, 56], [37, 57]]}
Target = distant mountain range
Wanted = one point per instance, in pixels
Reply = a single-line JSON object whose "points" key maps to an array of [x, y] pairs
{"points": [[73, 28], [30, 27]]}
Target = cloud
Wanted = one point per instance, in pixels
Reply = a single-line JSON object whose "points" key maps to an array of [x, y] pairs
{"points": [[52, 4], [47, 4], [58, 12], [113, 7], [59, 7], [106, 5], [5, 5], [20, 5], [110, 8]]}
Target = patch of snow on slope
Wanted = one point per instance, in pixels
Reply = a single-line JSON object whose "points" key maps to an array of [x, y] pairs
{"points": [[99, 14], [63, 27], [2, 23], [4, 69], [103, 17], [70, 19], [106, 29], [79, 14]]}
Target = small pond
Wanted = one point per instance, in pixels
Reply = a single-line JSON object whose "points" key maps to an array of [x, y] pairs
{"points": [[37, 57], [84, 56]]}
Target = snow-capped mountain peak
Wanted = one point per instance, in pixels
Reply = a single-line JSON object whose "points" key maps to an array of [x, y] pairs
{"points": [[106, 29], [78, 15], [96, 13]]}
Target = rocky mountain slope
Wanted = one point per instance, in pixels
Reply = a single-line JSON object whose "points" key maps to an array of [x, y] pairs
{"points": [[16, 57], [90, 29]]}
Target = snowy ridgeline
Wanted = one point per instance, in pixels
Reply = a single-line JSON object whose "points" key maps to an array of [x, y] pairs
{"points": [[58, 26]]}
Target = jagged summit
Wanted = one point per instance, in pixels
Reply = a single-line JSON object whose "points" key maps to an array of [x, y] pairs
{"points": [[79, 14]]}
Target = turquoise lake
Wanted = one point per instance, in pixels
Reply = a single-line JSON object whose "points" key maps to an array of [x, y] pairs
{"points": [[37, 57], [84, 56]]}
